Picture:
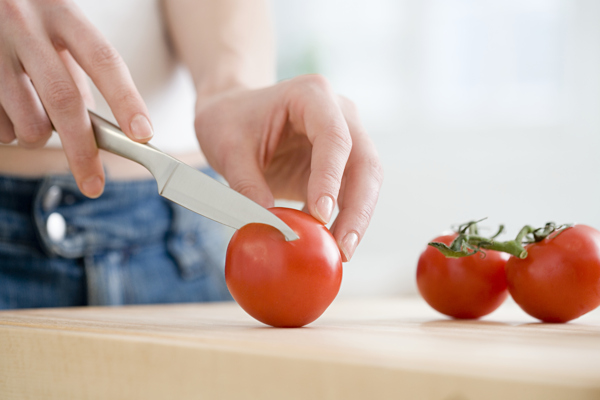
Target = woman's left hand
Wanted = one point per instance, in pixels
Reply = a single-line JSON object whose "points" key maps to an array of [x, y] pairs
{"points": [[296, 140]]}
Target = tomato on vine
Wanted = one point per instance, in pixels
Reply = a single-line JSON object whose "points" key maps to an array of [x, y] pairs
{"points": [[559, 279], [553, 273], [461, 287]]}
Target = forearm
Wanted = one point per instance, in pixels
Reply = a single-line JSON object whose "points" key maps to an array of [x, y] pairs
{"points": [[226, 44]]}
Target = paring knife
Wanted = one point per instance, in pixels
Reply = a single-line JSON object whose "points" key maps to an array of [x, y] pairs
{"points": [[185, 185]]}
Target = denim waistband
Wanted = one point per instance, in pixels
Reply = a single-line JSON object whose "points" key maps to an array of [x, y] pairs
{"points": [[51, 216], [127, 213]]}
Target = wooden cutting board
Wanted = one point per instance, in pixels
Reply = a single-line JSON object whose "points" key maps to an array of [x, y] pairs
{"points": [[359, 349]]}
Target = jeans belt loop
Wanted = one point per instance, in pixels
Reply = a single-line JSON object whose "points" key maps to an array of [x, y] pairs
{"points": [[48, 220]]}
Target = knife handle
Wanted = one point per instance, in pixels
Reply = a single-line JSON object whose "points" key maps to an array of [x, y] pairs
{"points": [[110, 138]]}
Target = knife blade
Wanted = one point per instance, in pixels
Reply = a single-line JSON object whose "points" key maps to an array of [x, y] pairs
{"points": [[185, 185]]}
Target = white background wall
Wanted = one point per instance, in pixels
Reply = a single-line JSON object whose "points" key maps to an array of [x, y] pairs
{"points": [[478, 109]]}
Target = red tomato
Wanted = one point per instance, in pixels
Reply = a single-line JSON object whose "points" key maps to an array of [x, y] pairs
{"points": [[468, 287], [281, 283], [560, 278]]}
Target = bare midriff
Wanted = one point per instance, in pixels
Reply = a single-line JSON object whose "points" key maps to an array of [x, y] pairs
{"points": [[36, 163]]}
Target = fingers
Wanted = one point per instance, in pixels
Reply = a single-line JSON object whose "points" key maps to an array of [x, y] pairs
{"points": [[37, 88], [47, 42], [108, 71], [245, 176], [327, 130], [65, 107], [21, 105], [345, 167], [362, 181]]}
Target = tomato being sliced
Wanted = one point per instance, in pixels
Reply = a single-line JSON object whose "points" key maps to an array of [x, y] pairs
{"points": [[559, 280], [281, 283], [468, 287]]}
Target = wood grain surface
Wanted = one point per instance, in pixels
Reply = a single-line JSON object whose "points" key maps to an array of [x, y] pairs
{"points": [[359, 349]]}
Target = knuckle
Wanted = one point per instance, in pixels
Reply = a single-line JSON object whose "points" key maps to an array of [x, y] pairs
{"points": [[370, 168], [333, 177], [62, 95], [245, 186], [314, 81], [34, 134], [307, 87], [375, 169], [14, 11], [363, 216], [340, 138], [104, 56], [126, 95], [29, 142], [7, 136]]}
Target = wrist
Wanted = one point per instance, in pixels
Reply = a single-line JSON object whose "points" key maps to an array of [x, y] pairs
{"points": [[219, 85], [209, 89], [204, 102]]}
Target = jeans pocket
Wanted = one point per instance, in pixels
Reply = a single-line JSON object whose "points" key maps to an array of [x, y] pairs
{"points": [[189, 257]]}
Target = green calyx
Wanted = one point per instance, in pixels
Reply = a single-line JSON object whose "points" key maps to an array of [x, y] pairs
{"points": [[469, 242]]}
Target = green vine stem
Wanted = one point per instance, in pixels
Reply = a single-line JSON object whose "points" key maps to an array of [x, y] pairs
{"points": [[469, 242]]}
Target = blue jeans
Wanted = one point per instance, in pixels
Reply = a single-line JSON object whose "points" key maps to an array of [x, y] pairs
{"points": [[130, 246]]}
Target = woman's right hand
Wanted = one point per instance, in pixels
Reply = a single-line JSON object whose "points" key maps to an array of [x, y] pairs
{"points": [[47, 48]]}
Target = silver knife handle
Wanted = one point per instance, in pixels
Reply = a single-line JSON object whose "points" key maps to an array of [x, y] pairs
{"points": [[110, 138]]}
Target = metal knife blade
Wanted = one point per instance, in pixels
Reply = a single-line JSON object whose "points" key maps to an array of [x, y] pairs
{"points": [[202, 194], [185, 185]]}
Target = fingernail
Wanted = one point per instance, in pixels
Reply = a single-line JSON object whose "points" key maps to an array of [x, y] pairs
{"points": [[141, 128], [349, 245], [325, 208], [92, 187]]}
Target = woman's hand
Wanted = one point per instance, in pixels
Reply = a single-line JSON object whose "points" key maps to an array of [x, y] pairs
{"points": [[295, 140], [47, 48]]}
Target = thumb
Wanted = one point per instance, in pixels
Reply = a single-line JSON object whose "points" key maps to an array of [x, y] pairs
{"points": [[245, 176]]}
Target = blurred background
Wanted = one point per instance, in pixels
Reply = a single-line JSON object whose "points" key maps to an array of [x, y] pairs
{"points": [[478, 109]]}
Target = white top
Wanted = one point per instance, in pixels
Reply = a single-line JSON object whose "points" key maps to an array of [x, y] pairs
{"points": [[137, 30]]}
